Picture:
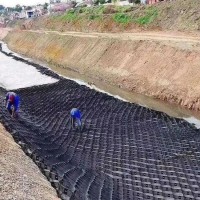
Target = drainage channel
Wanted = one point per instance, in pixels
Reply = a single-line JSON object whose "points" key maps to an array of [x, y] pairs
{"points": [[125, 151]]}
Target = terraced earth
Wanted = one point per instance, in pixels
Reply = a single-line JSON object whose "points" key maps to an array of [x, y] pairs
{"points": [[124, 151]]}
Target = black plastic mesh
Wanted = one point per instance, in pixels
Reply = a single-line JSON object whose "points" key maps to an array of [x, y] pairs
{"points": [[125, 151]]}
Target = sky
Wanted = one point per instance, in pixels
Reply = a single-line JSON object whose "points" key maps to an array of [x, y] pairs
{"points": [[13, 3]]}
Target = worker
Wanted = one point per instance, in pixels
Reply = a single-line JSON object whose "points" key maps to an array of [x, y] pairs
{"points": [[76, 118], [12, 103]]}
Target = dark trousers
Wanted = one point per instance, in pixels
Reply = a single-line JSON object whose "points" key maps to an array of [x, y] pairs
{"points": [[76, 120]]}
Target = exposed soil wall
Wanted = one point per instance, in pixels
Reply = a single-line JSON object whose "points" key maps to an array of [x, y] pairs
{"points": [[167, 70], [4, 32], [16, 173]]}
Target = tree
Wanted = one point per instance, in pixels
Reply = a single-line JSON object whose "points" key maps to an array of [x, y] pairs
{"points": [[2, 7], [18, 8], [28, 8], [45, 6], [102, 1], [136, 1], [9, 9]]}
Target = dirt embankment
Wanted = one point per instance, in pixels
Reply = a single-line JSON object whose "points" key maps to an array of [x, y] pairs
{"points": [[155, 64], [20, 178], [4, 32], [177, 15]]}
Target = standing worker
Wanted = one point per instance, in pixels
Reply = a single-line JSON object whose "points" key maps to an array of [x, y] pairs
{"points": [[76, 118], [12, 103]]}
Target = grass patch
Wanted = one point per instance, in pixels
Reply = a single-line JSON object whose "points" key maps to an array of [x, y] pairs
{"points": [[94, 17], [70, 16], [97, 10], [119, 14], [123, 9], [150, 15], [92, 13], [122, 18]]}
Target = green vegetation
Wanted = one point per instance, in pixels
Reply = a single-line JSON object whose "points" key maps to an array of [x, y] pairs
{"points": [[122, 18], [94, 17], [103, 18], [123, 9], [119, 14], [69, 16], [151, 14], [114, 1]]}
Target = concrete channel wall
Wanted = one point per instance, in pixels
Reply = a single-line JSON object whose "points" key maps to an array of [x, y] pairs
{"points": [[124, 151], [167, 70]]}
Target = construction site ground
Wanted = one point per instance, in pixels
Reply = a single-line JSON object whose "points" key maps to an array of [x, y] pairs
{"points": [[124, 150]]}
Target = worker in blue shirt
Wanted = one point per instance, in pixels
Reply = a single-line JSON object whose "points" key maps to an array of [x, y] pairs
{"points": [[12, 103], [76, 118]]}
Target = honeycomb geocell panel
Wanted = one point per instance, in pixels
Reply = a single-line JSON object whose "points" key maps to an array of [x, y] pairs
{"points": [[124, 151]]}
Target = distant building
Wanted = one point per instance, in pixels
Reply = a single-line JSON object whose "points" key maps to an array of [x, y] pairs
{"points": [[54, 1], [151, 1], [143, 1], [30, 13]]}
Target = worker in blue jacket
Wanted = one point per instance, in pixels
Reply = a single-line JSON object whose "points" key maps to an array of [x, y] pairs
{"points": [[12, 103], [76, 118]]}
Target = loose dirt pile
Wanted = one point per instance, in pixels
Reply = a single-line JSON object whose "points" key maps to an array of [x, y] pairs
{"points": [[160, 65], [20, 178]]}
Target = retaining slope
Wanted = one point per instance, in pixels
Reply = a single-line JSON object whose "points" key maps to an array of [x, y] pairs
{"points": [[165, 69], [125, 151]]}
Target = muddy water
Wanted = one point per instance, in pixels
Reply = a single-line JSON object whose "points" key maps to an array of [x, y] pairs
{"points": [[155, 104]]}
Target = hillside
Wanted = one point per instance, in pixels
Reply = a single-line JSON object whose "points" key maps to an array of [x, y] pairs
{"points": [[178, 15]]}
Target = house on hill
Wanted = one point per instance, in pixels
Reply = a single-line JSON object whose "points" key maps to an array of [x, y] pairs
{"points": [[151, 1]]}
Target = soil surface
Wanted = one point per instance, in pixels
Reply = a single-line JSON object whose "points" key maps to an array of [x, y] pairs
{"points": [[164, 65], [4, 32], [20, 178]]}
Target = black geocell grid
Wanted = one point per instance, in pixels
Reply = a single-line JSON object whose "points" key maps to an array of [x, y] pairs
{"points": [[125, 151]]}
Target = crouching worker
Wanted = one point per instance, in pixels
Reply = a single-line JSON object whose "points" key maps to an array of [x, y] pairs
{"points": [[12, 103], [76, 118]]}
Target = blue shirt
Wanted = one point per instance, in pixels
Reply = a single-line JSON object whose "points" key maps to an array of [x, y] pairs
{"points": [[75, 113]]}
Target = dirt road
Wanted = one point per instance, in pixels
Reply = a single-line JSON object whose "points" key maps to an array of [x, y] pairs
{"points": [[148, 36]]}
